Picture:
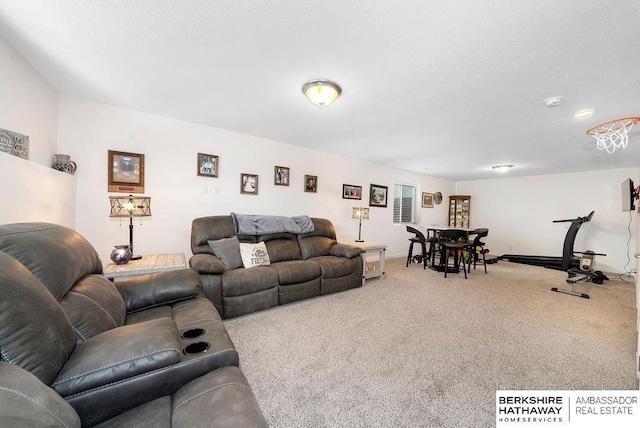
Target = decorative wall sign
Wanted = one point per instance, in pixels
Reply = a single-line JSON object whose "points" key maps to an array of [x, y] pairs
{"points": [[249, 184], [281, 176], [378, 195], [126, 172], [207, 165], [14, 143], [349, 191], [311, 183]]}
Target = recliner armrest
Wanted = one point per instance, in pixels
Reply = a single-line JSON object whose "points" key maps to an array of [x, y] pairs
{"points": [[206, 263], [118, 354], [345, 250], [145, 291]]}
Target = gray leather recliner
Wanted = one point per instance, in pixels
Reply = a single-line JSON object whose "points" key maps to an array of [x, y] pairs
{"points": [[107, 348]]}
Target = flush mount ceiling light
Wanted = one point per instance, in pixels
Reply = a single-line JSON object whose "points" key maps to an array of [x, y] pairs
{"points": [[321, 92], [502, 168], [553, 101], [583, 114]]}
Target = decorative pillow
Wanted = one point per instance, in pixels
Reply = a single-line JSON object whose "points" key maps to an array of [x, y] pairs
{"points": [[254, 254], [228, 251]]}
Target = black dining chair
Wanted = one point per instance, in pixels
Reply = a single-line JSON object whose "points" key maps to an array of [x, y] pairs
{"points": [[452, 241], [476, 248], [418, 239]]}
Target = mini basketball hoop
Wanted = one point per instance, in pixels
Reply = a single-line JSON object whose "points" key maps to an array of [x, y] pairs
{"points": [[613, 135]]}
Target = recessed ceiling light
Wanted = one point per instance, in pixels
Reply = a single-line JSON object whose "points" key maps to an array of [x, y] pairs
{"points": [[502, 168], [583, 114], [553, 101]]}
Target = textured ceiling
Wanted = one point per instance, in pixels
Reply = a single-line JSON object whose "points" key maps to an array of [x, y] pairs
{"points": [[442, 88]]}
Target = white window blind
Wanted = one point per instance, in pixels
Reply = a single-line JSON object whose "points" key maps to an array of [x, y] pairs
{"points": [[403, 203]]}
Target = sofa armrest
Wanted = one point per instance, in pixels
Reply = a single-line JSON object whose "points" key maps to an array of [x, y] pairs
{"points": [[206, 263], [345, 250], [119, 354], [145, 291]]}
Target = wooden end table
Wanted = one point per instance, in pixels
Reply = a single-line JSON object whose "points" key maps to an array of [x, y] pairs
{"points": [[147, 264], [370, 269]]}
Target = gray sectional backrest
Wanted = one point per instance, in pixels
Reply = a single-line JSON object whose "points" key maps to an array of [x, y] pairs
{"points": [[55, 254], [35, 332]]}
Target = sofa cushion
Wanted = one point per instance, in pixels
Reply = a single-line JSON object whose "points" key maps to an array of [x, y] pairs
{"points": [[27, 402], [281, 246], [206, 263], [254, 254], [246, 281], [56, 255], [315, 246], [93, 305], [35, 333], [118, 354], [296, 271], [211, 228], [333, 267], [161, 288], [228, 251]]}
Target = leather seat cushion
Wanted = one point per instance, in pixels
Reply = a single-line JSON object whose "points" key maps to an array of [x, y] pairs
{"points": [[296, 271], [239, 282]]}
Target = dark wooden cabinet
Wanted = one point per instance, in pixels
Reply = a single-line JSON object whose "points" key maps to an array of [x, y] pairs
{"points": [[459, 210]]}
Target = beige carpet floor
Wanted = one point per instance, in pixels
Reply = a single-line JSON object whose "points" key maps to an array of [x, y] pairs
{"points": [[418, 350]]}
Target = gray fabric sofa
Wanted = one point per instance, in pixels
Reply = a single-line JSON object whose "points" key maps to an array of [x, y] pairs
{"points": [[92, 350], [301, 266]]}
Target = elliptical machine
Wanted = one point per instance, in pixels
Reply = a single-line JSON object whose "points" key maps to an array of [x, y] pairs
{"points": [[585, 272]]}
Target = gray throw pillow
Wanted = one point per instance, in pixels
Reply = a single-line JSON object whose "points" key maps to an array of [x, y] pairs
{"points": [[228, 251]]}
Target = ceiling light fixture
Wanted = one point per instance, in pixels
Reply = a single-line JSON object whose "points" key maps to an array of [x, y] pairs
{"points": [[321, 92], [553, 101], [502, 168], [583, 114]]}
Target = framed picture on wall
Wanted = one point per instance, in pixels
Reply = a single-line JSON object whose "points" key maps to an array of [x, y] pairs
{"points": [[249, 184], [311, 183], [207, 165], [378, 195], [427, 200], [349, 191], [125, 172], [281, 176]]}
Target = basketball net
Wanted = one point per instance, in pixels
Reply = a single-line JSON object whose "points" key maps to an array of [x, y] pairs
{"points": [[613, 135]]}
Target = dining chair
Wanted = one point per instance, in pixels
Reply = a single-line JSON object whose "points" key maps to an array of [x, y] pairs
{"points": [[452, 241], [476, 248], [418, 239]]}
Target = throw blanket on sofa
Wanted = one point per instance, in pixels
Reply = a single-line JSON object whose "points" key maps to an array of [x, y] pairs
{"points": [[267, 224]]}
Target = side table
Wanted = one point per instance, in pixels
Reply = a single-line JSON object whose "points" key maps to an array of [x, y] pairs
{"points": [[370, 269], [147, 264]]}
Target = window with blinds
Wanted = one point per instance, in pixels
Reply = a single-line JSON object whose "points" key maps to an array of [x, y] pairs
{"points": [[403, 203]]}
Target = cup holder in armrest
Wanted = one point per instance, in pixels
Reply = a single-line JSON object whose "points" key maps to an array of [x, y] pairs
{"points": [[193, 333], [196, 348]]}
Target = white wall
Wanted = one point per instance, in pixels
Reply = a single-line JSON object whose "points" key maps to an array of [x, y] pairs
{"points": [[519, 213], [87, 130], [30, 104], [31, 190]]}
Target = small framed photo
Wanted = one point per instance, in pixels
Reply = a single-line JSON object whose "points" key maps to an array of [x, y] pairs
{"points": [[349, 191], [249, 184], [378, 195], [427, 200], [207, 165], [125, 172], [311, 183], [281, 176]]}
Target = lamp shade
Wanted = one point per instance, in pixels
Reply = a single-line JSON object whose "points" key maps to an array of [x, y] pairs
{"points": [[360, 212], [321, 92], [130, 206]]}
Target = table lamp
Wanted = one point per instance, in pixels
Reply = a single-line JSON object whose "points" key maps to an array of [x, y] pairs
{"points": [[360, 213], [138, 206]]}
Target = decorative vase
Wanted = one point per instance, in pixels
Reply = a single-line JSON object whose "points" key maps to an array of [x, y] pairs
{"points": [[121, 254], [64, 163]]}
